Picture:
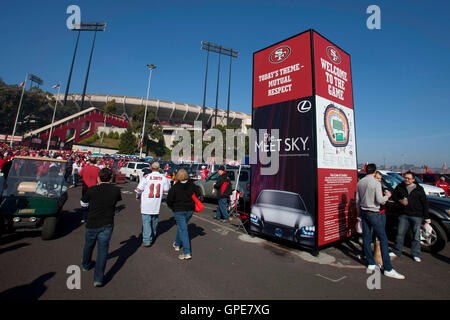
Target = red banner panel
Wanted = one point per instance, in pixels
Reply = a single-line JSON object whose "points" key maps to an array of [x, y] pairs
{"points": [[282, 72], [337, 216], [332, 72]]}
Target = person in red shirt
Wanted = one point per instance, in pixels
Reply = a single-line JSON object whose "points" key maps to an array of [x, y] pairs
{"points": [[89, 175], [204, 172], [444, 185]]}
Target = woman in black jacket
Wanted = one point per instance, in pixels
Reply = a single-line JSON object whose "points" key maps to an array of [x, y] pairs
{"points": [[179, 199]]}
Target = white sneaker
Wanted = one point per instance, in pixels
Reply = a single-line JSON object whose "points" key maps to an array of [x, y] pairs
{"points": [[394, 274], [371, 267], [393, 255], [417, 259]]}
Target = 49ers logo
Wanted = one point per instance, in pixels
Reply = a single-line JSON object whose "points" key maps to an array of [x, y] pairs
{"points": [[333, 55], [280, 54]]}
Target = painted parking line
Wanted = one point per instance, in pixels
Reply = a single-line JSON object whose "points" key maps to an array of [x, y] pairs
{"points": [[332, 280], [322, 258]]}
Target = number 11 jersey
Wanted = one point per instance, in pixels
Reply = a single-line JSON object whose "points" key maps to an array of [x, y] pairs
{"points": [[152, 186]]}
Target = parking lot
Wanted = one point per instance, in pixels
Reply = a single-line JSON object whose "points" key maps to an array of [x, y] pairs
{"points": [[226, 264]]}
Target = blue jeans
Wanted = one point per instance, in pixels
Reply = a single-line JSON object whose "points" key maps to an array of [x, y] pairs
{"points": [[101, 235], [403, 224], [222, 212], [75, 179], [182, 218], [149, 225], [376, 222]]}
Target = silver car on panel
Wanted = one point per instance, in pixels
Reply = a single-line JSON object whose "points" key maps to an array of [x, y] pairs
{"points": [[282, 214]]}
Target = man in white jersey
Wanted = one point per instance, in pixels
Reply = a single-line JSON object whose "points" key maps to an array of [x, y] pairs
{"points": [[150, 190]]}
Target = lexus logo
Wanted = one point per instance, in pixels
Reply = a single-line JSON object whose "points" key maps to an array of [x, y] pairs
{"points": [[304, 106]]}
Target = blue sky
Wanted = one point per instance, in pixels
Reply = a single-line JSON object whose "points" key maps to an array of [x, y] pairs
{"points": [[401, 73]]}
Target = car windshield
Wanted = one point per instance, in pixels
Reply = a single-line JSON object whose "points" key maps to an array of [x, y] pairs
{"points": [[281, 199], [418, 179], [36, 178], [142, 165], [393, 180]]}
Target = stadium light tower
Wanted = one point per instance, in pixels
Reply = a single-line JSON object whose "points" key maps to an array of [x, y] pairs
{"points": [[82, 27], [151, 67], [95, 26], [208, 46]]}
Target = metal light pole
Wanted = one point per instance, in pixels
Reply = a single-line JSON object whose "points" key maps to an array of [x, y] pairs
{"points": [[18, 111], [204, 91], [151, 67], [71, 68], [217, 91], [53, 118], [229, 86]]}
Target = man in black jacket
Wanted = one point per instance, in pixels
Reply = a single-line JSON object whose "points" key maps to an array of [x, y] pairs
{"points": [[414, 206], [223, 186]]}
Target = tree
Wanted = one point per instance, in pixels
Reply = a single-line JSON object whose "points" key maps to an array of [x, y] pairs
{"points": [[128, 143], [153, 130], [110, 107], [37, 105]]}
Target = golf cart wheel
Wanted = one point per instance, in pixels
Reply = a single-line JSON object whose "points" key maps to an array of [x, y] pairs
{"points": [[437, 240], [49, 228]]}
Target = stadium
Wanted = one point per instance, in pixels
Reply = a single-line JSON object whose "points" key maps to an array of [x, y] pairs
{"points": [[169, 114]]}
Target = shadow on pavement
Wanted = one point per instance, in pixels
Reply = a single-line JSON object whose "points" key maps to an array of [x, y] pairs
{"points": [[31, 291], [441, 257], [70, 221], [129, 247], [195, 231], [14, 247], [19, 235], [164, 226]]}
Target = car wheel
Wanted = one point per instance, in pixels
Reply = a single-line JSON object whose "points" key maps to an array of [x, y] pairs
{"points": [[49, 228], [436, 241]]}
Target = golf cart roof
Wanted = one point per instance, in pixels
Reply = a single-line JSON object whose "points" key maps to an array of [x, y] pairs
{"points": [[40, 159]]}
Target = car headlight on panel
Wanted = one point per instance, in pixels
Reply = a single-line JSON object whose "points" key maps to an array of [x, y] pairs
{"points": [[255, 219], [307, 231]]}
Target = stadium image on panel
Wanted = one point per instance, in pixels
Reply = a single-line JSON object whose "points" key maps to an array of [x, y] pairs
{"points": [[336, 125]]}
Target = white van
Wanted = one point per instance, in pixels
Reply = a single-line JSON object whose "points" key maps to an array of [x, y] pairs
{"points": [[132, 170]]}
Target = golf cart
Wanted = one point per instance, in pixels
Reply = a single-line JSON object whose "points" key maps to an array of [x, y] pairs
{"points": [[33, 195]]}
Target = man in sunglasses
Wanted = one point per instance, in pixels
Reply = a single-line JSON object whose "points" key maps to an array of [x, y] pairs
{"points": [[414, 209]]}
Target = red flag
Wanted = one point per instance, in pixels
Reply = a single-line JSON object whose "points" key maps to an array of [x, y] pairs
{"points": [[22, 84]]}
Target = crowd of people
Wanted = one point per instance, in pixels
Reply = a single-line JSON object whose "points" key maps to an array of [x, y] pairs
{"points": [[99, 199]]}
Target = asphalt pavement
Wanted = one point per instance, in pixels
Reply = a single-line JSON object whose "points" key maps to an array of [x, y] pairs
{"points": [[226, 264]]}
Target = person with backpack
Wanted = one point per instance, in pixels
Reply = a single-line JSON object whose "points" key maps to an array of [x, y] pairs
{"points": [[224, 190]]}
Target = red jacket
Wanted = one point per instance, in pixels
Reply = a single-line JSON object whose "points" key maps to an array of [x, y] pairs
{"points": [[443, 185], [89, 174]]}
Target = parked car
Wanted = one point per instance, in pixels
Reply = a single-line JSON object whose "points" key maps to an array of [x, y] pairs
{"points": [[439, 211], [429, 190], [282, 214], [208, 191], [33, 195], [428, 178], [133, 169]]}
